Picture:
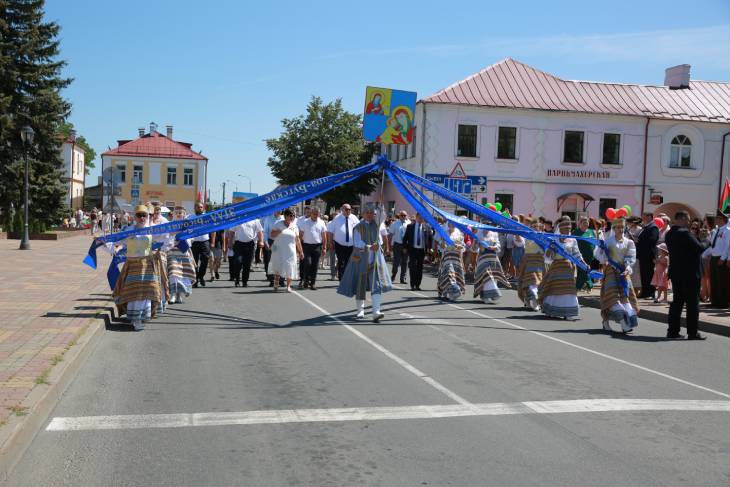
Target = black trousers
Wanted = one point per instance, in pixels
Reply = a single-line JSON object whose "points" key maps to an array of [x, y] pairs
{"points": [[312, 253], [201, 254], [686, 292], [343, 254], [400, 259], [415, 266], [243, 255], [719, 284], [646, 268], [267, 258]]}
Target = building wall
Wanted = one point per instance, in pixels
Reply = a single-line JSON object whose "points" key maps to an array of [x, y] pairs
{"points": [[74, 174]]}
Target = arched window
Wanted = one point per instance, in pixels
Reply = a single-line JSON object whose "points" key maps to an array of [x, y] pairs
{"points": [[680, 152]]}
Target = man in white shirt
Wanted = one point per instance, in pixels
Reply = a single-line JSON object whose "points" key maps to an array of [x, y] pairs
{"points": [[246, 236], [267, 224], [415, 240], [396, 231], [340, 237], [313, 234], [201, 249], [719, 261]]}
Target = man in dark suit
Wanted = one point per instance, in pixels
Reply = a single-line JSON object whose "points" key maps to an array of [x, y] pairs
{"points": [[415, 241], [685, 272], [646, 253]]}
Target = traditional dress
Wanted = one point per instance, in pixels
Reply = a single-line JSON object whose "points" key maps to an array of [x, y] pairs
{"points": [[160, 256], [451, 282], [180, 273], [489, 270], [530, 273], [284, 262], [618, 300], [366, 270], [557, 295], [137, 292]]}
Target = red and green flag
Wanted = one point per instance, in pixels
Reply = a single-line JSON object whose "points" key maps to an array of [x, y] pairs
{"points": [[725, 198]]}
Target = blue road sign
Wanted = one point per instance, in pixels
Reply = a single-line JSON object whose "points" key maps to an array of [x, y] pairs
{"points": [[459, 185], [135, 193]]}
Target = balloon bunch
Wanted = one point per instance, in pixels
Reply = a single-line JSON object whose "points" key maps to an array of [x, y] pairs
{"points": [[659, 223], [613, 213], [498, 208]]}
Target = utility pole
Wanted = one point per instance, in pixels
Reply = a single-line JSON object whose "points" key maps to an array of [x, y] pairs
{"points": [[223, 202]]}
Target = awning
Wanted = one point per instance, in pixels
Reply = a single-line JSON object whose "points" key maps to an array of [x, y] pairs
{"points": [[586, 199]]}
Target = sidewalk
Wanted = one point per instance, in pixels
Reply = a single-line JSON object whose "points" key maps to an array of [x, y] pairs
{"points": [[712, 320], [49, 302]]}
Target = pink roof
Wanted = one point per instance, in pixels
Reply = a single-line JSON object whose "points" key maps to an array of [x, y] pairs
{"points": [[155, 144], [512, 84]]}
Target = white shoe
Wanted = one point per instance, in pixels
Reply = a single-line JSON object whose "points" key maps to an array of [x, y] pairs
{"points": [[607, 326], [138, 325], [179, 299], [378, 316], [360, 315], [172, 300]]}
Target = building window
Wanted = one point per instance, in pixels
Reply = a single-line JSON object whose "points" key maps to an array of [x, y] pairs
{"points": [[506, 199], [507, 143], [573, 146], [604, 204], [611, 148], [170, 204], [122, 171], [137, 176], [188, 176], [467, 143], [680, 154], [171, 176]]}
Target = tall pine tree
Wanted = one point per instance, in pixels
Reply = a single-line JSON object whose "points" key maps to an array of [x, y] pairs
{"points": [[30, 94]]}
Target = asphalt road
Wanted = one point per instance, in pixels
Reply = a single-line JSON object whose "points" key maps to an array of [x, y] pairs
{"points": [[247, 387]]}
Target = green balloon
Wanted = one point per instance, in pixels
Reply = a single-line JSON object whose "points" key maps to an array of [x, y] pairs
{"points": [[499, 206], [486, 205], [505, 213], [628, 209]]}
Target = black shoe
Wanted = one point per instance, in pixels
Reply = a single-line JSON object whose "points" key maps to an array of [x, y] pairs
{"points": [[403, 281], [195, 284], [313, 287], [202, 282], [697, 336], [244, 284], [231, 279], [418, 288], [271, 283], [675, 336], [217, 276], [238, 283], [301, 286]]}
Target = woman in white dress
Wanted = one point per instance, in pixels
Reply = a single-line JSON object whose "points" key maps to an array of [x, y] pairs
{"points": [[286, 251]]}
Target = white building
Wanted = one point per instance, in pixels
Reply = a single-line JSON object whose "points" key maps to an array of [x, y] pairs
{"points": [[549, 146], [74, 171]]}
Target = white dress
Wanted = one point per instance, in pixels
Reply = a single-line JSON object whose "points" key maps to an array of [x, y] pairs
{"points": [[284, 261]]}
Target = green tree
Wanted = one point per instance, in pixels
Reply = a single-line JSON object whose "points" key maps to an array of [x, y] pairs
{"points": [[30, 94], [89, 152], [324, 141]]}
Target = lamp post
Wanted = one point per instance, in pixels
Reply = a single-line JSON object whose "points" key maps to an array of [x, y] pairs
{"points": [[249, 181], [26, 134]]}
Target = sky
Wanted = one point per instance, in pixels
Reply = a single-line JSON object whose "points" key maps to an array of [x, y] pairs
{"points": [[226, 73]]}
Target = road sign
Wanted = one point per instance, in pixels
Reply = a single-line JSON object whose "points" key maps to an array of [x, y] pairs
{"points": [[135, 193], [476, 184], [458, 171], [458, 185]]}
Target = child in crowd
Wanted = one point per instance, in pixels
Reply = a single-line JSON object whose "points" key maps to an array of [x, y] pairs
{"points": [[660, 280]]}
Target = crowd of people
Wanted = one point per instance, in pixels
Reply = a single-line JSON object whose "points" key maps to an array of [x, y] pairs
{"points": [[638, 258]]}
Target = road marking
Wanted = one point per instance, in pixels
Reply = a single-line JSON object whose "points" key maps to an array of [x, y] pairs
{"points": [[585, 349], [410, 368], [284, 416]]}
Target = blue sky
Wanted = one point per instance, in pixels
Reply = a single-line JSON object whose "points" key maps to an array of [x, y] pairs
{"points": [[225, 73]]}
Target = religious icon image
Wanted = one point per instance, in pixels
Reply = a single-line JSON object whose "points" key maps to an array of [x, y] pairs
{"points": [[389, 116]]}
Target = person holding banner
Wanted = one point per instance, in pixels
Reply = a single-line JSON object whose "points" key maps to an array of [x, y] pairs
{"points": [[137, 291], [366, 269], [160, 255], [489, 270], [618, 300], [201, 249], [557, 294], [180, 265], [451, 282], [532, 267]]}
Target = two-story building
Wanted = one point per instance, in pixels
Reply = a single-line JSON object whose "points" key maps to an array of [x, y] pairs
{"points": [[74, 171], [549, 146], [156, 168]]}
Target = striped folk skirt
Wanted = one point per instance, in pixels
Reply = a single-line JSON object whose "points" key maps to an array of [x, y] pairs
{"points": [[180, 271], [557, 294], [451, 282], [530, 274], [616, 304], [489, 274], [161, 270], [137, 292]]}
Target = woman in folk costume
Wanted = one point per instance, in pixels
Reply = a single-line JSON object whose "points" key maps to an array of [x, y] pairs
{"points": [[366, 270], [160, 256], [532, 267], [489, 270], [180, 266], [137, 292], [618, 300], [451, 283], [557, 294]]}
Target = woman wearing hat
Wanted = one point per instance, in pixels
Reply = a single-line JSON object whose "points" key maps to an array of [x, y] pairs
{"points": [[137, 292], [618, 300], [557, 294], [180, 266], [531, 270]]}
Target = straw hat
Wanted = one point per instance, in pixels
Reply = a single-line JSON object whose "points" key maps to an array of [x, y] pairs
{"points": [[142, 209]]}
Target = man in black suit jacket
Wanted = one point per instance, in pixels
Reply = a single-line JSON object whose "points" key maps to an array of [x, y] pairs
{"points": [[685, 272], [646, 253], [416, 241]]}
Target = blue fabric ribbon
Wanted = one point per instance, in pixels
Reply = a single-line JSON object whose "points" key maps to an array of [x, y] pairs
{"points": [[113, 273]]}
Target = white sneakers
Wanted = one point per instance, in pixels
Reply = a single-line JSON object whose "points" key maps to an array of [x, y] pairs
{"points": [[138, 325], [607, 326], [377, 316]]}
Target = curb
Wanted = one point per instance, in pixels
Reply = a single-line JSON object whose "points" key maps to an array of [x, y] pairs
{"points": [[706, 326], [17, 435]]}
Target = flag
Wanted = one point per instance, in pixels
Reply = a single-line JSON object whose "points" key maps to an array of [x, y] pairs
{"points": [[725, 198]]}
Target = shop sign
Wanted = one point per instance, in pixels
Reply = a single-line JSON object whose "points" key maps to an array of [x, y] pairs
{"points": [[656, 199], [578, 174]]}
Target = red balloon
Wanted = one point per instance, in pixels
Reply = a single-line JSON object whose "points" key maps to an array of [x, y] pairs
{"points": [[492, 207], [622, 213], [610, 213], [659, 222]]}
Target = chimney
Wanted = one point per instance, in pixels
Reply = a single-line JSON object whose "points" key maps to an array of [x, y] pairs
{"points": [[141, 131], [169, 131], [677, 77], [153, 127]]}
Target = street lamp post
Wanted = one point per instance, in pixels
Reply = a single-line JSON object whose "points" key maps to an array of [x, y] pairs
{"points": [[249, 181], [26, 134]]}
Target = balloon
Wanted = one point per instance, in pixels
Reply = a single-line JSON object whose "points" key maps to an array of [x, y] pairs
{"points": [[622, 213], [610, 213], [492, 207], [506, 213], [659, 222], [487, 204], [498, 205], [628, 210]]}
